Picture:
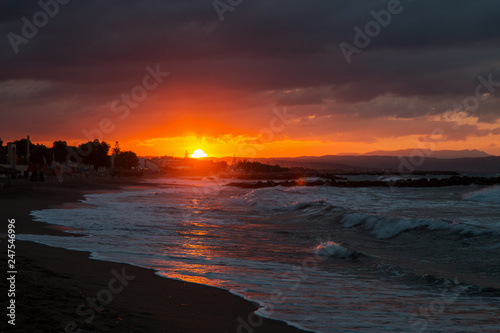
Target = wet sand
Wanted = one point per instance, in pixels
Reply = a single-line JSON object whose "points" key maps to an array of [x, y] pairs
{"points": [[59, 290]]}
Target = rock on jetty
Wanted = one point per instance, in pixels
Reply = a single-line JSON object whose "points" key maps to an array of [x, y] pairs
{"points": [[422, 182]]}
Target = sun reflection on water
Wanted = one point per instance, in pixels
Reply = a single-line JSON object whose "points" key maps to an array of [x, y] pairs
{"points": [[192, 273]]}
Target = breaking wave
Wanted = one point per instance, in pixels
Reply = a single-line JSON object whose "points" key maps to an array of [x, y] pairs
{"points": [[332, 249], [488, 194]]}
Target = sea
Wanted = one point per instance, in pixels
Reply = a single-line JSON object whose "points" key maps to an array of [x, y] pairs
{"points": [[321, 258]]}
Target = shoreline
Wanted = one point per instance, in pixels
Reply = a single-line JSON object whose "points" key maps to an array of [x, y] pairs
{"points": [[56, 288]]}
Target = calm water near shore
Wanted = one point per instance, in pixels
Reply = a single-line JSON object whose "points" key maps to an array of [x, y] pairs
{"points": [[322, 258]]}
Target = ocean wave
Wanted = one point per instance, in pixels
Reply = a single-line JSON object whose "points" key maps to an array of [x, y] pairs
{"points": [[384, 227], [276, 200], [308, 204], [318, 207], [333, 249], [488, 194]]}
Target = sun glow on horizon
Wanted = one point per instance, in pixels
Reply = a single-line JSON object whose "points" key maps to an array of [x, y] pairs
{"points": [[248, 146], [198, 153]]}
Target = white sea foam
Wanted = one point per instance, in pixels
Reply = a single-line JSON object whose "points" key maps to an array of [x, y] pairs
{"points": [[488, 194], [204, 236], [332, 249], [384, 227]]}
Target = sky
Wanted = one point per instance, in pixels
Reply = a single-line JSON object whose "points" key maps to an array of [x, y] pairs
{"points": [[256, 78]]}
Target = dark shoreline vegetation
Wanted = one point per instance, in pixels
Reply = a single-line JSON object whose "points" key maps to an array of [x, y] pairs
{"points": [[99, 159]]}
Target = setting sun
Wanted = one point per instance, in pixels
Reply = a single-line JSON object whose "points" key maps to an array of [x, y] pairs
{"points": [[198, 153]]}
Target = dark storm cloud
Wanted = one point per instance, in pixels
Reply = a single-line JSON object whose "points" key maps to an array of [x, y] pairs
{"points": [[431, 50]]}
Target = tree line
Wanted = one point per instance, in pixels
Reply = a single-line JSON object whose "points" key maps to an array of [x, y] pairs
{"points": [[96, 153], [248, 166]]}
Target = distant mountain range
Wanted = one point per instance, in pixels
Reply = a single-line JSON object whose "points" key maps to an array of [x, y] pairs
{"points": [[489, 164], [429, 153], [408, 160]]}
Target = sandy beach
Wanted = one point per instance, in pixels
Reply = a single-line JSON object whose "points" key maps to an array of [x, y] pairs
{"points": [[56, 289]]}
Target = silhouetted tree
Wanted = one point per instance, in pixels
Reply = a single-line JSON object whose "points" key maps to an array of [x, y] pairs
{"points": [[40, 154], [258, 167], [95, 153], [117, 149], [59, 148], [72, 154], [3, 158], [21, 149], [126, 160], [221, 166]]}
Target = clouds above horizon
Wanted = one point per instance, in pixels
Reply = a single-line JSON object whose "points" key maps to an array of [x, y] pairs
{"points": [[264, 54]]}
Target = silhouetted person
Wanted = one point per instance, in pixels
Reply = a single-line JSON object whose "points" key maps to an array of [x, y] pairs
{"points": [[34, 178], [41, 178]]}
